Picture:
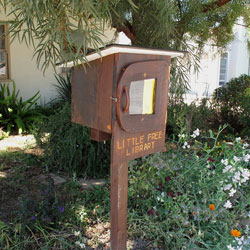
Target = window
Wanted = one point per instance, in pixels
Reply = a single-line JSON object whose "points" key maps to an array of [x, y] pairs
{"points": [[223, 69], [142, 95], [4, 55], [249, 66]]}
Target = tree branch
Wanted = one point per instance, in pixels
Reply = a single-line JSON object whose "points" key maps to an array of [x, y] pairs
{"points": [[215, 5], [179, 6], [127, 28]]}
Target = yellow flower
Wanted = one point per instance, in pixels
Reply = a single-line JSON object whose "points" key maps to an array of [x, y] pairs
{"points": [[211, 206], [236, 233]]}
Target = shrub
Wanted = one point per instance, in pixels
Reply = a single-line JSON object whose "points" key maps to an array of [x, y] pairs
{"points": [[232, 102], [189, 116], [63, 87], [17, 115], [68, 146]]}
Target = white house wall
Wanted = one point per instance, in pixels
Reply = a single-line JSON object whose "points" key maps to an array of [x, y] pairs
{"points": [[204, 83], [29, 79], [238, 52]]}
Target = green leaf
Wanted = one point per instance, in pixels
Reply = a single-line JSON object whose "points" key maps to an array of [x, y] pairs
{"points": [[20, 125]]}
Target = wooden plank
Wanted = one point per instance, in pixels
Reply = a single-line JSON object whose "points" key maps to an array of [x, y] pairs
{"points": [[92, 92], [98, 135], [119, 198], [129, 146]]}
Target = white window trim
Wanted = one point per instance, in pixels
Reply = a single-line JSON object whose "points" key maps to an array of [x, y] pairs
{"points": [[227, 68], [7, 49]]}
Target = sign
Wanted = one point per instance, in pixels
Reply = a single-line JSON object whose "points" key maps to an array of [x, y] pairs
{"points": [[131, 146]]}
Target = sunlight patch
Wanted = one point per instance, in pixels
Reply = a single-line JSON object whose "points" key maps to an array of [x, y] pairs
{"points": [[3, 174]]}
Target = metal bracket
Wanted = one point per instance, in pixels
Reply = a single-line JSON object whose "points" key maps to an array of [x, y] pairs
{"points": [[114, 99]]}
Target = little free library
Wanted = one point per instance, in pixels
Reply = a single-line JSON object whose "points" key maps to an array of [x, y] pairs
{"points": [[122, 96]]}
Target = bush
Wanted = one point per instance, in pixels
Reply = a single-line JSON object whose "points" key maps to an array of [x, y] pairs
{"points": [[17, 115], [190, 117], [232, 103], [63, 87], [68, 146]]}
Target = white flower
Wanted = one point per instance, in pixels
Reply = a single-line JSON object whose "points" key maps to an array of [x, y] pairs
{"points": [[245, 173], [77, 243], [232, 192], [195, 133], [238, 139], [82, 245], [246, 158], [236, 177], [77, 233], [236, 159], [232, 170], [181, 135], [230, 247], [240, 240], [186, 145], [228, 204], [245, 145], [162, 194], [227, 187], [227, 168], [225, 162]]}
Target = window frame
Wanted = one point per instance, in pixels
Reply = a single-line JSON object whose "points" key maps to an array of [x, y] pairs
{"points": [[225, 55], [7, 50], [249, 65]]}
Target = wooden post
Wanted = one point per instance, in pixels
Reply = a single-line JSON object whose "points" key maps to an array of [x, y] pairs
{"points": [[119, 198]]}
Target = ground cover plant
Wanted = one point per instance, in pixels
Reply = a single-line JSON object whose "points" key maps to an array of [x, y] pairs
{"points": [[193, 196], [67, 146]]}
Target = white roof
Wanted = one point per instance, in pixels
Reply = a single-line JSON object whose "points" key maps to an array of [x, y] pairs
{"points": [[112, 49]]}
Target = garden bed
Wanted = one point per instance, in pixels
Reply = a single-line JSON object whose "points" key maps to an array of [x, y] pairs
{"points": [[193, 196]]}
